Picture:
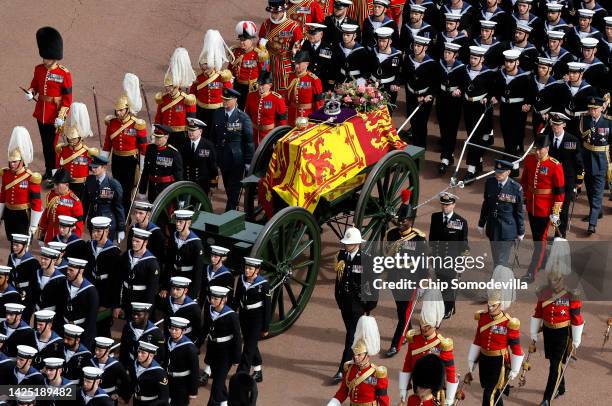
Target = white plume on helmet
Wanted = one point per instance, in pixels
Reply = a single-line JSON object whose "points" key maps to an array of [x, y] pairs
{"points": [[21, 142], [506, 294], [560, 259], [246, 27], [432, 310], [131, 86], [367, 330], [79, 118], [214, 50], [180, 72]]}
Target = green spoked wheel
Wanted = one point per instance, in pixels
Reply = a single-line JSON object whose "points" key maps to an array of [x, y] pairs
{"points": [[380, 196], [259, 167], [290, 246]]}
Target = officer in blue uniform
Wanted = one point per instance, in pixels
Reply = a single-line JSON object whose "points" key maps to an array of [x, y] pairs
{"points": [[596, 130], [232, 134], [502, 212]]}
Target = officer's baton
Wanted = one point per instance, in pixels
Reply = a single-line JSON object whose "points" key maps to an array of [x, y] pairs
{"points": [[469, 138], [114, 347], [501, 392], [409, 117], [484, 175], [95, 97], [26, 92], [144, 96], [567, 362]]}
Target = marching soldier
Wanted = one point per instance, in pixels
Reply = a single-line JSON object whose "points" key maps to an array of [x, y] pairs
{"points": [[522, 14], [141, 218], [378, 19], [566, 149], [48, 342], [502, 212], [181, 363], [8, 293], [427, 340], [91, 393], [579, 94], [74, 246], [595, 130], [61, 201], [82, 300], [581, 31], [174, 105], [16, 330], [139, 329], [497, 341], [560, 56], [24, 373], [350, 60], [217, 274], [415, 26], [333, 23], [47, 283], [453, 35], [448, 237], [53, 85], [281, 36], [528, 52], [104, 197], [198, 153], [493, 56], [305, 90], [267, 109], [149, 379], [304, 12], [543, 184], [595, 72], [103, 261], [61, 263], [224, 342], [248, 62], [252, 300], [232, 135], [20, 201], [126, 137], [115, 380], [554, 19], [162, 167], [428, 379], [388, 64], [76, 355], [558, 315], [548, 94], [179, 304], [24, 267], [320, 52]]}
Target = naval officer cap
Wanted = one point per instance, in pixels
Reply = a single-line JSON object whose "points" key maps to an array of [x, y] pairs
{"points": [[179, 322], [77, 263], [229, 93], [141, 233], [92, 372], [421, 40], [521, 26], [53, 363], [558, 118], [72, 330], [349, 28], [250, 261], [20, 238], [57, 245], [5, 270], [180, 281], [100, 222], [383, 32], [147, 347], [501, 165], [451, 46], [589, 43], [342, 3], [313, 28], [218, 250], [195, 124], [554, 7], [140, 306], [13, 308], [477, 51], [596, 101], [161, 130], [447, 198], [26, 352], [143, 205], [183, 214], [452, 17], [44, 315], [219, 291], [103, 342], [67, 221]]}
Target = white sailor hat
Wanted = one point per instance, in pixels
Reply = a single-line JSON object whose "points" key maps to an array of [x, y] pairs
{"points": [[608, 20], [218, 250], [66, 220], [452, 17], [219, 291], [487, 24], [250, 261], [512, 54], [342, 3], [20, 238], [451, 46], [72, 330], [589, 42], [555, 34], [147, 347], [349, 28], [141, 233], [26, 352], [417, 8], [103, 342], [26, 398], [525, 1], [16, 308], [183, 214], [140, 306], [384, 32], [92, 372], [142, 205], [77, 262], [586, 13], [554, 7], [44, 315], [3, 337], [100, 222], [53, 362], [521, 26], [49, 253], [576, 66], [421, 40], [315, 27], [180, 281], [382, 2], [5, 270], [179, 322], [477, 51], [57, 245], [545, 61]]}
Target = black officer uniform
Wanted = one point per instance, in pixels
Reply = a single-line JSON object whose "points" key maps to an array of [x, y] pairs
{"points": [[182, 365], [502, 214], [22, 334], [115, 379], [388, 67], [75, 246], [569, 153], [132, 334], [448, 236], [351, 64], [45, 293], [185, 259], [82, 308], [149, 384], [333, 30], [104, 198], [368, 37], [157, 241], [408, 32], [320, 57], [199, 161], [23, 275], [189, 309], [140, 280], [548, 96], [233, 138], [221, 277], [163, 166]]}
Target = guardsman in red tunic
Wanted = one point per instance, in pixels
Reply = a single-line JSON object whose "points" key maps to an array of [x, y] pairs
{"points": [[428, 379], [497, 345], [61, 201], [20, 203], [53, 85], [282, 37], [426, 340], [266, 109], [363, 383], [248, 61], [395, 10], [305, 11], [209, 84], [75, 157], [543, 183], [558, 315], [305, 91], [174, 105], [126, 136]]}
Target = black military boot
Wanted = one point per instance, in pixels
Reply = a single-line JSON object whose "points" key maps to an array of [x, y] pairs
{"points": [[337, 378], [392, 351], [204, 379], [258, 376]]}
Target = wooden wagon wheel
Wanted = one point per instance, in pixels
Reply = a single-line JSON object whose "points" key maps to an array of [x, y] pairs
{"points": [[290, 245], [259, 167], [380, 196]]}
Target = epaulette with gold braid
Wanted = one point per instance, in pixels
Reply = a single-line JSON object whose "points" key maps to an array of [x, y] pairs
{"points": [[411, 334], [346, 366], [139, 124], [514, 323], [35, 177], [65, 69], [58, 147], [478, 313], [226, 75], [92, 151], [553, 160], [73, 196], [158, 97], [446, 344], [381, 372], [277, 95]]}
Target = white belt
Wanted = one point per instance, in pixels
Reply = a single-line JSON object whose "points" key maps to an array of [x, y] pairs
{"points": [[387, 80], [254, 305], [221, 339], [135, 287], [146, 398], [449, 89], [351, 73], [513, 100], [183, 268], [476, 98], [79, 321], [422, 91], [23, 284], [111, 389], [179, 374], [101, 277], [45, 308], [576, 113]]}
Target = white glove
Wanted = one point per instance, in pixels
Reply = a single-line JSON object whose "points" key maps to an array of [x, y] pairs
{"points": [[142, 163], [59, 122], [577, 335], [152, 129], [141, 196], [481, 231], [554, 218], [451, 390], [29, 96], [403, 395], [516, 361], [512, 375], [1, 210], [33, 231], [534, 328], [334, 402], [404, 378], [473, 354], [120, 236], [263, 42], [521, 237], [35, 218]]}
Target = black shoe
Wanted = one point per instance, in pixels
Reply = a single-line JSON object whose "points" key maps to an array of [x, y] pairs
{"points": [[600, 215], [392, 351], [560, 392], [591, 229], [337, 378], [204, 379], [442, 168], [507, 390], [258, 376], [449, 314], [468, 177], [545, 403], [528, 277]]}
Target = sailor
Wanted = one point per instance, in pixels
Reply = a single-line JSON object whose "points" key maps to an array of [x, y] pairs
{"points": [[48, 342], [494, 48], [141, 218], [91, 393], [548, 94], [139, 328], [492, 11], [528, 52], [179, 304], [389, 64], [578, 93], [596, 72], [453, 33], [24, 374], [149, 379], [76, 355], [413, 27], [181, 363], [8, 293], [378, 19], [350, 60], [81, 300], [217, 274], [74, 246], [23, 274], [53, 369], [559, 55], [115, 380], [333, 23], [48, 282], [16, 330]]}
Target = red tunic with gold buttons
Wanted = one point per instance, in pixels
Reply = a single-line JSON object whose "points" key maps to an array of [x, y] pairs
{"points": [[327, 6], [558, 309], [75, 160], [173, 111], [304, 95], [60, 205], [246, 66], [282, 39], [266, 113], [543, 184], [414, 400], [372, 383], [305, 11], [125, 137], [21, 189], [495, 335], [419, 346], [209, 89], [394, 10], [54, 89]]}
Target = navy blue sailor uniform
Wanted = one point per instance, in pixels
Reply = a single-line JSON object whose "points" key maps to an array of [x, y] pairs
{"points": [[130, 335], [156, 243], [408, 33], [52, 348], [598, 75], [320, 62], [22, 334], [494, 56], [45, 293], [190, 310], [9, 295], [431, 15], [140, 281], [351, 64], [577, 99], [529, 56], [421, 80], [185, 259], [548, 97], [467, 13], [99, 398], [182, 365], [460, 39], [221, 277], [149, 385], [333, 33], [56, 402], [162, 167], [75, 246], [368, 37], [104, 198], [560, 62], [503, 28], [81, 309], [74, 363], [32, 377], [115, 379], [448, 107], [23, 276], [574, 35], [388, 72]]}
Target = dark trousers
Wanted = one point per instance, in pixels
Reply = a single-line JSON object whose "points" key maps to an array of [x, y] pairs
{"points": [[179, 392], [556, 349], [218, 389], [48, 140], [418, 122], [401, 306], [472, 111], [124, 171], [501, 251], [512, 121], [250, 350], [350, 316], [78, 189], [595, 185], [539, 230], [448, 110], [449, 295], [206, 115], [153, 190], [232, 178], [244, 92], [565, 211], [490, 371], [16, 222]]}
